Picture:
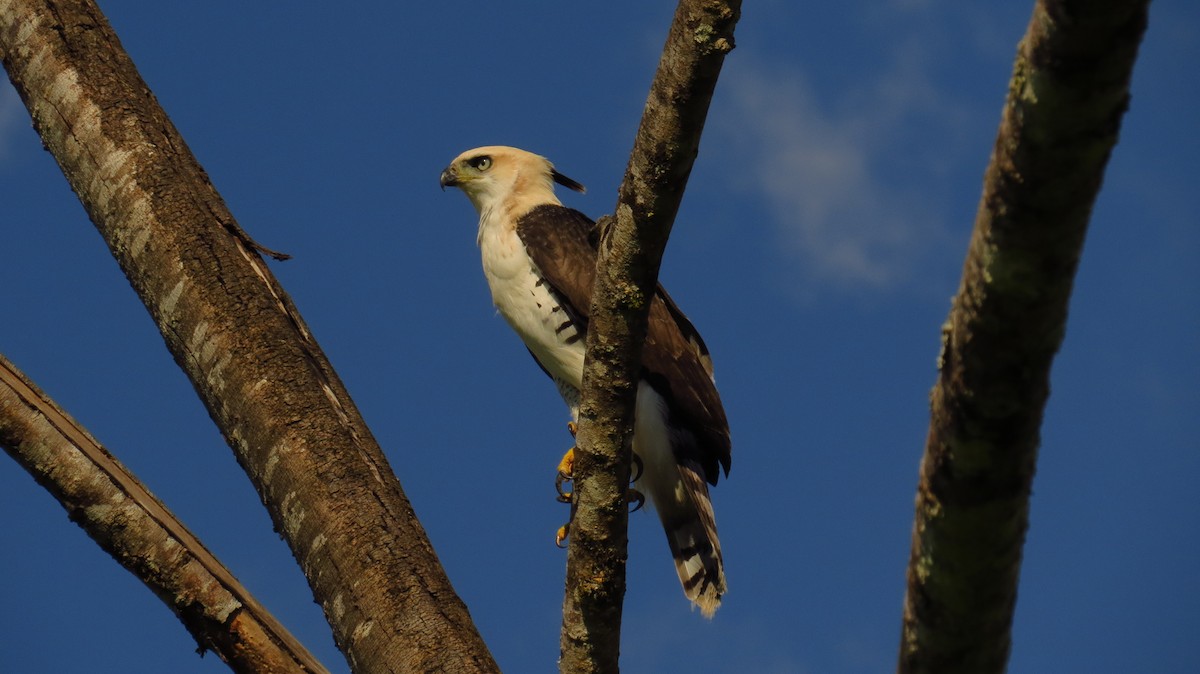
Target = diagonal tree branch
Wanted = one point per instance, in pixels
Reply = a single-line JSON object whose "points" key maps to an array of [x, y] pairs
{"points": [[234, 331], [631, 249], [133, 526], [1069, 90]]}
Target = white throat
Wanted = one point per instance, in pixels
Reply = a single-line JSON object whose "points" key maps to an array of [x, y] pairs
{"points": [[501, 205]]}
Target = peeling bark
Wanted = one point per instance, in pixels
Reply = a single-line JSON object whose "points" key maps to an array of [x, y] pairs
{"points": [[234, 331], [631, 249], [133, 526], [1069, 90]]}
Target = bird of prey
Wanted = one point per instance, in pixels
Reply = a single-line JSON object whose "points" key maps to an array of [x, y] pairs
{"points": [[539, 258]]}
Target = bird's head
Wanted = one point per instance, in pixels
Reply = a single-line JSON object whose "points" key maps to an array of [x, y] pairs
{"points": [[495, 175]]}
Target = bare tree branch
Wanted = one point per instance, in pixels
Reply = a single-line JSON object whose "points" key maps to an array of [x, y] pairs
{"points": [[235, 332], [1069, 90], [133, 526], [631, 249]]}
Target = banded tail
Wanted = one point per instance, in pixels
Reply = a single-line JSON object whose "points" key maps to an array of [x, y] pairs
{"points": [[691, 530]]}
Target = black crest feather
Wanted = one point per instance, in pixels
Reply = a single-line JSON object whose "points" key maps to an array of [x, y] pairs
{"points": [[567, 182]]}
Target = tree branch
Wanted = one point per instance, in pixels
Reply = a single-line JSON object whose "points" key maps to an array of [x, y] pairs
{"points": [[236, 334], [631, 249], [1069, 90], [133, 526]]}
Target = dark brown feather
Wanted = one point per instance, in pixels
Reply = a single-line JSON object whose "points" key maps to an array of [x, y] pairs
{"points": [[675, 360]]}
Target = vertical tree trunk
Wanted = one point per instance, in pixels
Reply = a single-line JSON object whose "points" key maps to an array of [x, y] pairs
{"points": [[1069, 90], [631, 249], [236, 334]]}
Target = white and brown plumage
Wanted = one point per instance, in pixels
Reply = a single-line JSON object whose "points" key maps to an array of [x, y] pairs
{"points": [[539, 259]]}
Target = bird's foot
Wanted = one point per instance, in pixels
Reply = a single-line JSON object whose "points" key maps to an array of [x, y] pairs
{"points": [[636, 469], [632, 496], [635, 498], [566, 472]]}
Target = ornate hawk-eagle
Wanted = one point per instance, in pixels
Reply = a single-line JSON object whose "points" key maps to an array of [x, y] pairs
{"points": [[539, 258]]}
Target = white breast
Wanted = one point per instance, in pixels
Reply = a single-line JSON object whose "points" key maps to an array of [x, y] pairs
{"points": [[528, 305]]}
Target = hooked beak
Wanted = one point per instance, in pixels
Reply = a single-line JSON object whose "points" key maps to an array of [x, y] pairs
{"points": [[449, 178]]}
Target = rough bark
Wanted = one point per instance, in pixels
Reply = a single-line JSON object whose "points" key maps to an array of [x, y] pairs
{"points": [[133, 526], [1069, 90], [631, 249], [233, 330]]}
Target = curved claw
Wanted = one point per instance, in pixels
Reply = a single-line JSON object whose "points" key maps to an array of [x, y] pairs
{"points": [[634, 496], [637, 469], [560, 536], [566, 470], [563, 496]]}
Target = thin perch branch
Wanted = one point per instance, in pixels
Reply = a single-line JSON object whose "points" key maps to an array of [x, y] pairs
{"points": [[133, 526], [1069, 90], [236, 334], [631, 249]]}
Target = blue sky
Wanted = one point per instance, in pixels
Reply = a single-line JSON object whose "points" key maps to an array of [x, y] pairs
{"points": [[819, 243]]}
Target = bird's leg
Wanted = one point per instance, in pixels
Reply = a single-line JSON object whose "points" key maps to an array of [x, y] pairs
{"points": [[566, 468], [564, 475], [566, 471]]}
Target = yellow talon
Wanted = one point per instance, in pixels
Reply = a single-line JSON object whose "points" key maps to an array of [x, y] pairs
{"points": [[566, 471], [566, 467]]}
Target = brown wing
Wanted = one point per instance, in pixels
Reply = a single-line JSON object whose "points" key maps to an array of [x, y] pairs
{"points": [[675, 360], [677, 365]]}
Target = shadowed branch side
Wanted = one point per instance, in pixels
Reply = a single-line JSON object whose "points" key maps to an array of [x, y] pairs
{"points": [[1069, 91], [631, 248]]}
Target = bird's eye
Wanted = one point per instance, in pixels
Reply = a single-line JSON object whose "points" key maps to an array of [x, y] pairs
{"points": [[481, 163]]}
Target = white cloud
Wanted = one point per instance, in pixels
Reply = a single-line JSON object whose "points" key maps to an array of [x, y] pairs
{"points": [[848, 178]]}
